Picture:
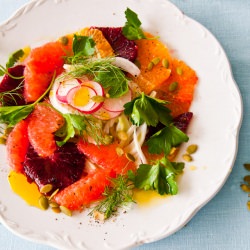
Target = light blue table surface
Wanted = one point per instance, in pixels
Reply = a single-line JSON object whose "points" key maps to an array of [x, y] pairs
{"points": [[224, 223]]}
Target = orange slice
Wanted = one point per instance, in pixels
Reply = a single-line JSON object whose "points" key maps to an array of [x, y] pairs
{"points": [[181, 96], [149, 52], [102, 45]]}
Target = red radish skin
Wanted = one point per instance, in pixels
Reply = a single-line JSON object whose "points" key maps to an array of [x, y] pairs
{"points": [[64, 87], [96, 86], [89, 102], [95, 108], [91, 106]]}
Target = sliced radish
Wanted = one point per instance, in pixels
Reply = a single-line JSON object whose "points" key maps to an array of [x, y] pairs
{"points": [[96, 86], [116, 104], [105, 115], [64, 87], [81, 98], [126, 65]]}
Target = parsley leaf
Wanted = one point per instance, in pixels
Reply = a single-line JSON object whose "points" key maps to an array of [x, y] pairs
{"points": [[147, 109], [165, 139], [67, 131], [83, 46], [160, 177], [131, 29]]}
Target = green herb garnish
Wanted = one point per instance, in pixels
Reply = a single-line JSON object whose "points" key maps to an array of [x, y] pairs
{"points": [[83, 46], [160, 177], [68, 130], [11, 115], [83, 125], [165, 139], [14, 57], [147, 109], [103, 71], [10, 97], [118, 195], [132, 28], [113, 79]]}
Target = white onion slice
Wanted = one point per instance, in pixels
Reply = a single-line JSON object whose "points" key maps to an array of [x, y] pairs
{"points": [[139, 137], [127, 66]]}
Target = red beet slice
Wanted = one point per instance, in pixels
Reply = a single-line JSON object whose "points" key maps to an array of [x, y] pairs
{"points": [[182, 121], [61, 170], [8, 83], [121, 45]]}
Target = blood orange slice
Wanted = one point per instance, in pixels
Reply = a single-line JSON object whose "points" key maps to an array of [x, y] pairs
{"points": [[106, 157], [91, 187], [9, 83], [41, 64], [17, 145], [121, 45], [84, 191], [43, 122]]}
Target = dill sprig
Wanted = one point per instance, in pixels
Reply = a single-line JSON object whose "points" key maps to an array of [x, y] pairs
{"points": [[90, 65], [4, 71], [11, 96], [101, 70], [94, 128], [118, 195]]}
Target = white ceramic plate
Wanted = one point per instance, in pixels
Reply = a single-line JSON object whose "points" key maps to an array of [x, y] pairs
{"points": [[217, 111]]}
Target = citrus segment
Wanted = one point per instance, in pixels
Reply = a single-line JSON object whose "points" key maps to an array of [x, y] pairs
{"points": [[17, 145], [43, 122], [41, 65], [181, 97], [103, 47], [106, 156], [122, 46], [67, 44], [91, 187], [151, 54], [86, 190]]}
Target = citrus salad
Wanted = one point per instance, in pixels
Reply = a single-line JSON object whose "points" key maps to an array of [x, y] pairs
{"points": [[95, 115]]}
